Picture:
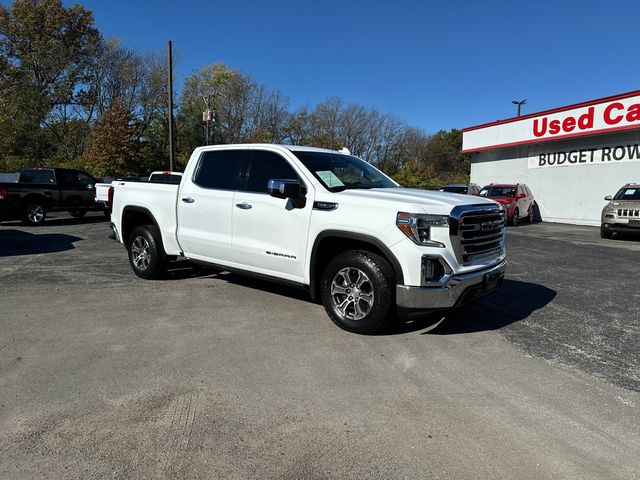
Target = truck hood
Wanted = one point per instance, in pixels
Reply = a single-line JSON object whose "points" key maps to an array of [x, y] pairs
{"points": [[442, 202]]}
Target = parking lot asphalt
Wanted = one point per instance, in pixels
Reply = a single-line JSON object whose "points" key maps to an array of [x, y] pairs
{"points": [[211, 375]]}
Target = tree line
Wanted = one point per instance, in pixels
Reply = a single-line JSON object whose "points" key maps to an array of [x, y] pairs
{"points": [[70, 97]]}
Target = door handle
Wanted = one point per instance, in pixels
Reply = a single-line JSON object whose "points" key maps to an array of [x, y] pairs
{"points": [[188, 199], [244, 205]]}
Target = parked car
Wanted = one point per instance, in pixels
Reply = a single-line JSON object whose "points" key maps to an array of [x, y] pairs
{"points": [[516, 198], [622, 213], [41, 190], [471, 189], [319, 219]]}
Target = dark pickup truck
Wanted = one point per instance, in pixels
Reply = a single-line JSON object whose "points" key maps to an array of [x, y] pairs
{"points": [[42, 190]]}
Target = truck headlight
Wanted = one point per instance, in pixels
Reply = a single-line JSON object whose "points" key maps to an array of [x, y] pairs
{"points": [[417, 226]]}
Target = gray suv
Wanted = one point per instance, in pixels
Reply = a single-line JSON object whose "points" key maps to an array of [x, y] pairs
{"points": [[622, 214]]}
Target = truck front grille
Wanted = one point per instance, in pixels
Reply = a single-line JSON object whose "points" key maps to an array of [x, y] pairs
{"points": [[629, 212], [475, 231]]}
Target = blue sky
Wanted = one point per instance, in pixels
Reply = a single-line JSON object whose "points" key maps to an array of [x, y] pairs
{"points": [[437, 65]]}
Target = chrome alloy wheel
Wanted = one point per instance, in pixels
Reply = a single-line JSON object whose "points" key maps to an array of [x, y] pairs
{"points": [[352, 293], [35, 213], [141, 253]]}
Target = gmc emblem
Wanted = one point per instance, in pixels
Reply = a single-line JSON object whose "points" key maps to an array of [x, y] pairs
{"points": [[486, 226]]}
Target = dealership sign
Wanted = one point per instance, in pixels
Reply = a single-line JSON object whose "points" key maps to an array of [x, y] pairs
{"points": [[621, 112], [586, 156]]}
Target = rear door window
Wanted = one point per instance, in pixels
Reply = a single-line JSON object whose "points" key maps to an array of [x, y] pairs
{"points": [[220, 169], [38, 176]]}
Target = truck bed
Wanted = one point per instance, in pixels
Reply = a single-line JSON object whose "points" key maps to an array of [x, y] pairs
{"points": [[160, 199]]}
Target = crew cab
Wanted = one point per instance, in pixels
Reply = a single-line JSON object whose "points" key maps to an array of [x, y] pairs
{"points": [[41, 190], [516, 199], [323, 220]]}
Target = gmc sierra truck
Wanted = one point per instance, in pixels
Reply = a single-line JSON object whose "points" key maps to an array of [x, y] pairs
{"points": [[41, 190], [319, 219]]}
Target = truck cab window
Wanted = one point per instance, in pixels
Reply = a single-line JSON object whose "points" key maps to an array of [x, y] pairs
{"points": [[219, 169], [265, 166]]}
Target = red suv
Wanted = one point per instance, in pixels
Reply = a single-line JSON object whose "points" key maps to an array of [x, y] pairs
{"points": [[516, 198]]}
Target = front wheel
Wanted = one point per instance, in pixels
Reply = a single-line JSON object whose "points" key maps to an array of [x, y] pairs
{"points": [[146, 253], [515, 217], [357, 290], [78, 213], [604, 233]]}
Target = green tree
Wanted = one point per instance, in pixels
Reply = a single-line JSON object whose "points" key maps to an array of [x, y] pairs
{"points": [[45, 58]]}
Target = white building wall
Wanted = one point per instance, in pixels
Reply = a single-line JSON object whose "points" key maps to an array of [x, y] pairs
{"points": [[571, 193]]}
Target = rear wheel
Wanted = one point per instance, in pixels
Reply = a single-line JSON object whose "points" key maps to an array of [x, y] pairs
{"points": [[604, 233], [530, 215], [146, 253], [34, 214], [78, 213], [357, 290]]}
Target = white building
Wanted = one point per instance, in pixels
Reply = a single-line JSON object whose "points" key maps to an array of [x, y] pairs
{"points": [[570, 157]]}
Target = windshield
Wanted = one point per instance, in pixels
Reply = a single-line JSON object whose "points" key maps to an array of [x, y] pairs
{"points": [[340, 172], [508, 192], [454, 189], [631, 193]]}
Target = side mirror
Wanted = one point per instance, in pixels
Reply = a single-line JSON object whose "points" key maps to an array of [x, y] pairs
{"points": [[287, 189], [608, 198], [522, 195]]}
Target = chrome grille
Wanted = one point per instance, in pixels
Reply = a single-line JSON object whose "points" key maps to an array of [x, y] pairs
{"points": [[629, 212], [476, 230]]}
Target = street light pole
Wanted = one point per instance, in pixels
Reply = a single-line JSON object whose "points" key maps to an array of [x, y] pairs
{"points": [[519, 104], [170, 85]]}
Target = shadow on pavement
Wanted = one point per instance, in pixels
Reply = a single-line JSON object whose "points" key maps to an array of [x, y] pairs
{"points": [[184, 269], [512, 302], [16, 242], [60, 221]]}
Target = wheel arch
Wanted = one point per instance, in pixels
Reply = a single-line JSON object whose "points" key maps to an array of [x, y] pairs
{"points": [[329, 243], [134, 216]]}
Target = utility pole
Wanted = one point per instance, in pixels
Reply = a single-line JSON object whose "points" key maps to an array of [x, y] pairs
{"points": [[519, 104], [209, 118], [170, 85]]}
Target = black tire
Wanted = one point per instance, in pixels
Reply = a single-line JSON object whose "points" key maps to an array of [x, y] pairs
{"points": [[515, 218], [380, 282], [530, 216], [34, 213], [77, 213], [107, 214], [146, 253], [604, 233]]}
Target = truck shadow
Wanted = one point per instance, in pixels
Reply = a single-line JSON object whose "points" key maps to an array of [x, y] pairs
{"points": [[184, 269], [16, 242], [512, 302]]}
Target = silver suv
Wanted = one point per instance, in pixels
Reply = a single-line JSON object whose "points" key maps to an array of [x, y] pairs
{"points": [[622, 214]]}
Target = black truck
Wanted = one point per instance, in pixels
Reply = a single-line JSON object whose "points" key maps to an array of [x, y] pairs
{"points": [[42, 190]]}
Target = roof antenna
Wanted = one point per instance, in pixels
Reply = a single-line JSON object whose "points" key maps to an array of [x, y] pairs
{"points": [[345, 150]]}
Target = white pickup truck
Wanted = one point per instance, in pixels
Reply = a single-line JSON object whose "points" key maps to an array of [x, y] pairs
{"points": [[320, 219]]}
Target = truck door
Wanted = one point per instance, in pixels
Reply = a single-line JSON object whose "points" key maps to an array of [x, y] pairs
{"points": [[73, 193], [270, 234], [205, 202]]}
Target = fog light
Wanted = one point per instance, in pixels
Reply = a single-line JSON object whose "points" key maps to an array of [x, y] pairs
{"points": [[435, 270]]}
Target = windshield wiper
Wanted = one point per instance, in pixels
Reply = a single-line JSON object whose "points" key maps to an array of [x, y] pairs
{"points": [[337, 188]]}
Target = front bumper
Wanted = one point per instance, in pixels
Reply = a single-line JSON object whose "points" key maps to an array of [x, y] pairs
{"points": [[630, 226], [458, 290]]}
